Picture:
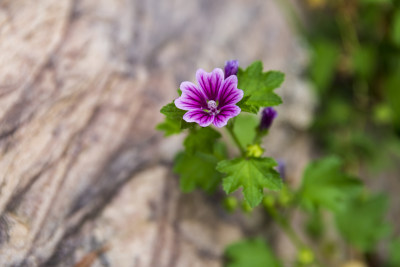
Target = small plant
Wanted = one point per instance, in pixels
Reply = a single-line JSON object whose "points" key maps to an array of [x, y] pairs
{"points": [[217, 101], [228, 103]]}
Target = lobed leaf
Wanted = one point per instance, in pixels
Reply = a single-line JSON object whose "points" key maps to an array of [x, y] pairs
{"points": [[324, 184], [258, 87], [252, 174], [362, 221], [197, 170]]}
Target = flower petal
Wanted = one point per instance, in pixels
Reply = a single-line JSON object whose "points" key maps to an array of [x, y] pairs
{"points": [[229, 93], [210, 83], [226, 112], [199, 116], [192, 97]]}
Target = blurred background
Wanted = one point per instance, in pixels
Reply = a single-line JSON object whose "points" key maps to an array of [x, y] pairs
{"points": [[86, 180]]}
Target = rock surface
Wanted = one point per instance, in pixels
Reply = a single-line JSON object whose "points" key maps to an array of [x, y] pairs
{"points": [[85, 180]]}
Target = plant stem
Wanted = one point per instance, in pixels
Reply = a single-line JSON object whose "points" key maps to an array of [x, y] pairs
{"points": [[289, 231], [284, 224], [235, 139]]}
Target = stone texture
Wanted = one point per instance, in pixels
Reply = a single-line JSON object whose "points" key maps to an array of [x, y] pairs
{"points": [[84, 177]]}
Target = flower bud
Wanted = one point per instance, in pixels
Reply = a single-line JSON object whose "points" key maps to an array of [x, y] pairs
{"points": [[267, 117], [281, 168], [305, 256], [230, 204], [231, 68], [254, 151]]}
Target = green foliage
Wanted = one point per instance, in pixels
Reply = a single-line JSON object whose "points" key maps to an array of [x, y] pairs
{"points": [[395, 34], [250, 253], [173, 123], [201, 140], [324, 61], [315, 225], [197, 170], [258, 87], [355, 60], [197, 165], [393, 96], [362, 221], [172, 112], [252, 174], [394, 255], [364, 61], [325, 185], [246, 107], [245, 128], [169, 127]]}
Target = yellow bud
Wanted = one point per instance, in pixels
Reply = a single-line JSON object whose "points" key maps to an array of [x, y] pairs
{"points": [[268, 201], [254, 151], [305, 256], [246, 207]]}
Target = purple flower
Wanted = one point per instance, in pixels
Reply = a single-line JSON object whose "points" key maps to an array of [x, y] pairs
{"points": [[231, 68], [267, 117], [213, 101]]}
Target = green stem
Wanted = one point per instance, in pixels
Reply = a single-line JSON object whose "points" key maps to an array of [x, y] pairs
{"points": [[286, 227], [290, 233], [235, 139]]}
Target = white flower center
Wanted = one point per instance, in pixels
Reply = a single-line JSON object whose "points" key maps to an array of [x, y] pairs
{"points": [[212, 107], [212, 104]]}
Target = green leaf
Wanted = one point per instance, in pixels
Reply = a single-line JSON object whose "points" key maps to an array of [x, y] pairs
{"points": [[258, 86], [197, 170], [394, 255], [169, 126], [260, 99], [325, 185], [174, 122], [315, 225], [187, 125], [253, 175], [364, 61], [246, 107], [395, 33], [245, 128], [220, 151], [250, 253], [362, 222], [323, 63], [172, 112], [201, 140]]}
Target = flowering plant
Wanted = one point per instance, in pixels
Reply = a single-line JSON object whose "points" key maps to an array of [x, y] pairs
{"points": [[218, 100], [230, 101]]}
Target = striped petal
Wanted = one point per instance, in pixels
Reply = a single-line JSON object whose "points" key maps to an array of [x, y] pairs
{"points": [[226, 112], [229, 93], [192, 97], [210, 83], [199, 116]]}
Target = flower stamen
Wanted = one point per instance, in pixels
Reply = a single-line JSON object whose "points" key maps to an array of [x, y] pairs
{"points": [[212, 107]]}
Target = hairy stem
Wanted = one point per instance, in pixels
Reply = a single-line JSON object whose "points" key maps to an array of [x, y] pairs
{"points": [[235, 139]]}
